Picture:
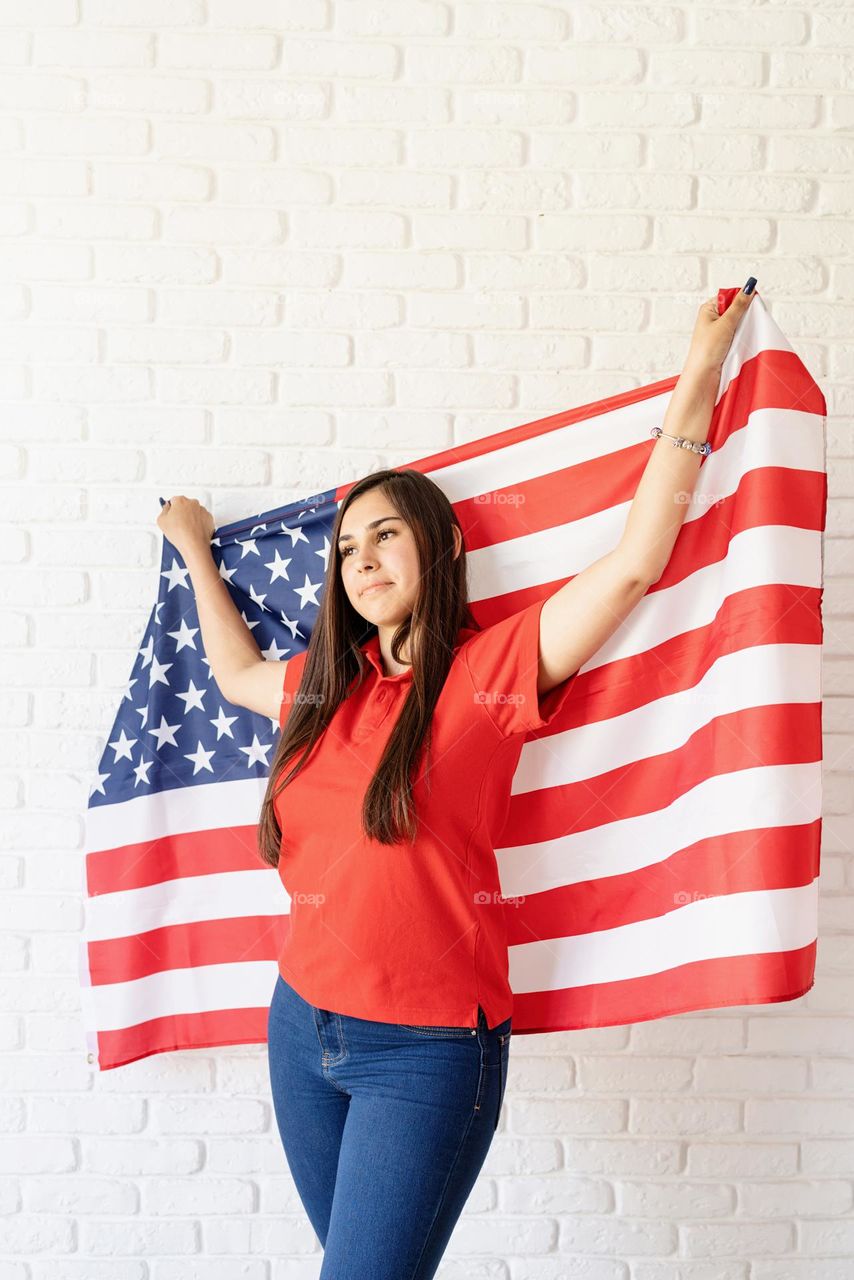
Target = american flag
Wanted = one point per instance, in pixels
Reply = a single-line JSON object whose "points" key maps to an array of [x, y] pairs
{"points": [[661, 851]]}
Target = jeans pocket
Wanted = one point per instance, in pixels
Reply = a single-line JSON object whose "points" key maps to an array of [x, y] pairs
{"points": [[437, 1031]]}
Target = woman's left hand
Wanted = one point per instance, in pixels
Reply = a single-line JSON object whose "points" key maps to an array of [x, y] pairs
{"points": [[713, 333]]}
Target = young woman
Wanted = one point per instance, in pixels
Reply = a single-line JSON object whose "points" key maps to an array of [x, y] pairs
{"points": [[402, 724]]}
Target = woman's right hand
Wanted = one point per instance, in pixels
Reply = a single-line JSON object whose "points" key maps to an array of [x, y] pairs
{"points": [[186, 523]]}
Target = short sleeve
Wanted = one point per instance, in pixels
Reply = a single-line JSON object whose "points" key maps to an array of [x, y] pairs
{"points": [[293, 674], [503, 662]]}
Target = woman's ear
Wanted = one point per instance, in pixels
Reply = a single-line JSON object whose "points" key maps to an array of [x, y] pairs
{"points": [[458, 541]]}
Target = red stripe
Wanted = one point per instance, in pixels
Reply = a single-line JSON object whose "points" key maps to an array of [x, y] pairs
{"points": [[790, 733], [182, 1031], [229, 940], [172, 857], [764, 497], [764, 615], [705, 984], [772, 379], [738, 862]]}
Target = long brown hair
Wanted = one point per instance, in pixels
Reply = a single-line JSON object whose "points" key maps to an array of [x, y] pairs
{"points": [[334, 660]]}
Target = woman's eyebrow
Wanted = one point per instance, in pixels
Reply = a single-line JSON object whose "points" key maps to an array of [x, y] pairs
{"points": [[348, 537]]}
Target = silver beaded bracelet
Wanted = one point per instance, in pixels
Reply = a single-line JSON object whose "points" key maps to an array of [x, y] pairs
{"points": [[679, 442]]}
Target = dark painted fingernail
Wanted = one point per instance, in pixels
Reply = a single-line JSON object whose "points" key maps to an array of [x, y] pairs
{"points": [[750, 286]]}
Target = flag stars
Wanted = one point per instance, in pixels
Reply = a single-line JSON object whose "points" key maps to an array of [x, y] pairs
{"points": [[274, 653], [246, 547], [296, 534], [165, 733], [201, 759], [226, 574], [222, 723], [141, 773], [256, 753], [184, 636], [157, 674], [147, 651], [176, 576], [324, 552], [292, 624], [122, 746], [192, 697], [98, 784], [278, 567], [308, 592], [256, 599]]}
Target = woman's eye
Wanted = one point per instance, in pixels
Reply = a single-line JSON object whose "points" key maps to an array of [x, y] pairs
{"points": [[379, 535]]}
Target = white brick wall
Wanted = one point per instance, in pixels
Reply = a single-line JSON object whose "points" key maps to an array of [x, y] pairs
{"points": [[253, 248]]}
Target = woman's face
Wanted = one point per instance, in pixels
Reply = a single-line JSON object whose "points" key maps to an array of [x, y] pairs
{"points": [[376, 546]]}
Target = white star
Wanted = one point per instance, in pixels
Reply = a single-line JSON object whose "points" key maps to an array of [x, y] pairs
{"points": [[122, 747], [157, 608], [176, 576], [256, 599], [98, 784], [192, 697], [157, 674], [296, 534], [293, 626], [308, 592], [324, 554], [142, 712], [278, 568], [129, 686], [250, 625], [164, 733], [223, 723], [256, 754], [246, 547], [227, 574], [274, 653], [184, 636], [201, 759], [141, 772], [148, 652]]}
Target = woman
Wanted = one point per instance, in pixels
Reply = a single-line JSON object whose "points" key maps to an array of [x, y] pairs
{"points": [[402, 724]]}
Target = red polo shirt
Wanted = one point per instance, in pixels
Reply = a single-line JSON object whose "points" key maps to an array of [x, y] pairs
{"points": [[411, 933]]}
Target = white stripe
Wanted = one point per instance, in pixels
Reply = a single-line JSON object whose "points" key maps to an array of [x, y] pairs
{"points": [[793, 441], [246, 984], [744, 800], [755, 923], [177, 810], [741, 923], [759, 676], [223, 896], [756, 332], [769, 796]]}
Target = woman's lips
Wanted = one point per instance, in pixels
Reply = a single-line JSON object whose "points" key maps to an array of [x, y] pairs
{"points": [[376, 586]]}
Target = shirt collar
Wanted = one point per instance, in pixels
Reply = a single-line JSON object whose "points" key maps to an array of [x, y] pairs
{"points": [[371, 650]]}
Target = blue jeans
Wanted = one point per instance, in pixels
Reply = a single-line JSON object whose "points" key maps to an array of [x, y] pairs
{"points": [[385, 1127]]}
